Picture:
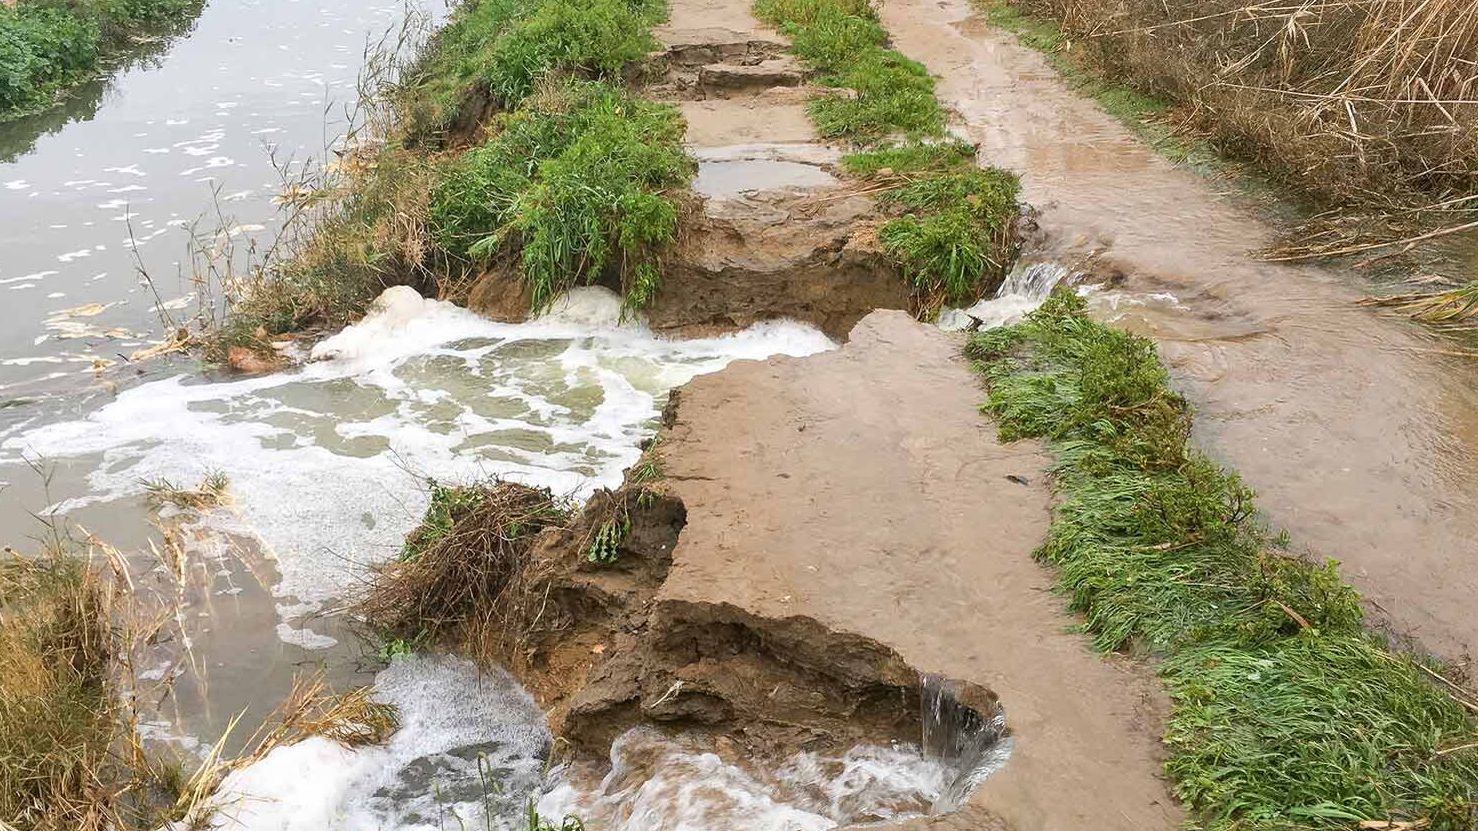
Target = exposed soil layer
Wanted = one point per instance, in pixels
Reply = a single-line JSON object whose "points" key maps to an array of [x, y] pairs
{"points": [[782, 237], [603, 654], [862, 490], [1359, 436]]}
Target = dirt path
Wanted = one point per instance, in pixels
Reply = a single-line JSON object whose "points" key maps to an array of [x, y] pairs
{"points": [[861, 488], [1360, 441]]}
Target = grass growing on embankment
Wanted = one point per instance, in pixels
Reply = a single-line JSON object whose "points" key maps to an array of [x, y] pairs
{"points": [[951, 234], [1286, 715], [47, 46], [511, 145]]}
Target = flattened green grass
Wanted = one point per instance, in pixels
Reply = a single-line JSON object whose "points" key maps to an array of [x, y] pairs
{"points": [[1287, 715]]}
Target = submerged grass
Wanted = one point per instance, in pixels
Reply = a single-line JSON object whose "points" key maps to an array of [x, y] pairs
{"points": [[1286, 714], [47, 46]]}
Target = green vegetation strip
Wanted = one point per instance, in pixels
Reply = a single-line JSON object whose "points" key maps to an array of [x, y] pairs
{"points": [[47, 46], [1287, 714], [512, 145], [951, 233]]}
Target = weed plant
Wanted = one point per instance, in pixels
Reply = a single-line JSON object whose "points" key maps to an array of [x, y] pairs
{"points": [[1287, 715]]}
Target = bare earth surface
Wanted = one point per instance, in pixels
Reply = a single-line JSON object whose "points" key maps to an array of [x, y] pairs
{"points": [[1360, 440], [863, 489]]}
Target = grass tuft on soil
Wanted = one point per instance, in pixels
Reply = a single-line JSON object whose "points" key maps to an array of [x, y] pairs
{"points": [[463, 561], [952, 232], [47, 46], [573, 184], [1287, 715]]}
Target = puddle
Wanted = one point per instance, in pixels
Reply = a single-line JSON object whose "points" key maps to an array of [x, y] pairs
{"points": [[721, 179]]}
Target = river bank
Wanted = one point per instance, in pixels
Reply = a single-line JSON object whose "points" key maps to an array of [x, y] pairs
{"points": [[806, 592], [53, 47]]}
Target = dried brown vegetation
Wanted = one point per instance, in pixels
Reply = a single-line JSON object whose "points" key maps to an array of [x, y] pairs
{"points": [[465, 560], [73, 626], [1366, 105]]}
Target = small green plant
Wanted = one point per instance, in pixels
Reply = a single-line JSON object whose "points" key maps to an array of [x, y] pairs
{"points": [[1286, 714], [449, 503], [605, 546], [535, 822]]}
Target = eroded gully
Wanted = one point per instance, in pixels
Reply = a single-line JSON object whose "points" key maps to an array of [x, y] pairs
{"points": [[1360, 438]]}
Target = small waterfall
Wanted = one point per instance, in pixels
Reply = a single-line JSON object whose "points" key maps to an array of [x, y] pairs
{"points": [[1023, 290], [970, 742]]}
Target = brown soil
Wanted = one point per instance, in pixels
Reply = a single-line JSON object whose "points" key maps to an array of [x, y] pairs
{"points": [[602, 653], [1359, 436], [780, 250], [826, 529]]}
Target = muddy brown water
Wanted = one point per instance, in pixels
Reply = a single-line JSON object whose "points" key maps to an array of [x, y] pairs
{"points": [[1360, 438]]}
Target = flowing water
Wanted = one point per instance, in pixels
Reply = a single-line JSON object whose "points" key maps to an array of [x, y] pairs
{"points": [[328, 463]]}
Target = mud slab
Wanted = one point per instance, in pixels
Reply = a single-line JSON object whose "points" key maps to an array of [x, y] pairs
{"points": [[862, 489], [1360, 441]]}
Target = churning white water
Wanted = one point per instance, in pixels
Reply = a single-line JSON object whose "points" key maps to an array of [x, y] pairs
{"points": [[468, 752], [327, 463], [678, 785], [1023, 290]]}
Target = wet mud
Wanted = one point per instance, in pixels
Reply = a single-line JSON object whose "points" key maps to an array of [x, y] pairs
{"points": [[1359, 435], [827, 533]]}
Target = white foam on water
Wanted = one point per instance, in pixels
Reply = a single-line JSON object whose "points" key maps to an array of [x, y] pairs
{"points": [[659, 782], [327, 463], [470, 743], [1023, 290]]}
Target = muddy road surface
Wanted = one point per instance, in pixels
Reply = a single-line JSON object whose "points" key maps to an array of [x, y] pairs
{"points": [[1359, 436]]}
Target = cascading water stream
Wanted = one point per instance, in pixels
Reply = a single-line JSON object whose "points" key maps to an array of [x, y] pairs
{"points": [[1023, 290]]}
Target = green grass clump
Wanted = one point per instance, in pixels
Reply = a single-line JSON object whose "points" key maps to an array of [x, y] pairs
{"points": [[954, 235], [879, 92], [503, 47], [1287, 716], [49, 45], [576, 184]]}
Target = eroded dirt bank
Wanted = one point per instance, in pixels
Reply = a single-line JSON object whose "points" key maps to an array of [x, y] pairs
{"points": [[862, 489], [1360, 439]]}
